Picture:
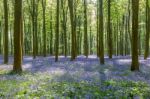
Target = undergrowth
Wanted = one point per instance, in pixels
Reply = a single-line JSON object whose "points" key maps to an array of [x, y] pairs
{"points": [[41, 85]]}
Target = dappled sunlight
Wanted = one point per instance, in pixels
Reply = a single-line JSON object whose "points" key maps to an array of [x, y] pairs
{"points": [[28, 65], [124, 60], [121, 62], [92, 56], [27, 58], [56, 71]]}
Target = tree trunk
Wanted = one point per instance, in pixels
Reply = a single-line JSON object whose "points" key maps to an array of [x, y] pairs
{"points": [[97, 35], [73, 34], [86, 50], [57, 33], [101, 32], [6, 32], [146, 54], [109, 31], [135, 10], [17, 68], [51, 34], [64, 24], [44, 28]]}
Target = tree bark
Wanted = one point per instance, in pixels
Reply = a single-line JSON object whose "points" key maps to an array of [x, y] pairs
{"points": [[44, 28], [86, 50], [57, 33], [101, 32], [109, 31], [17, 68], [6, 32], [73, 32], [135, 10], [146, 54]]}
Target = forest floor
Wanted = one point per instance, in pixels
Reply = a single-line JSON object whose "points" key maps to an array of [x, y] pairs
{"points": [[82, 78]]}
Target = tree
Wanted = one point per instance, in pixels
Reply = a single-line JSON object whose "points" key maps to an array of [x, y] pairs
{"points": [[57, 33], [51, 33], [33, 10], [44, 27], [101, 32], [17, 68], [135, 10], [86, 50], [6, 32], [64, 25], [91, 28], [146, 54], [97, 23], [109, 31], [73, 30]]}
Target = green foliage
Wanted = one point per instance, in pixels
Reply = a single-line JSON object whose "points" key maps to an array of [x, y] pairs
{"points": [[127, 89], [42, 85]]}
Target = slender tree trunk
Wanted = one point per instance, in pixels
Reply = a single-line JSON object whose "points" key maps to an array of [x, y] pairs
{"points": [[64, 24], [6, 32], [91, 41], [33, 10], [51, 34], [79, 36], [97, 35], [126, 36], [135, 10], [22, 36], [73, 34], [101, 32], [75, 28], [129, 19], [36, 30], [33, 42], [117, 37], [86, 50], [57, 33], [146, 54], [44, 28], [17, 37], [109, 31]]}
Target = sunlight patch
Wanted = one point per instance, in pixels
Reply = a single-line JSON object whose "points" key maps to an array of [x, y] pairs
{"points": [[124, 60], [58, 71]]}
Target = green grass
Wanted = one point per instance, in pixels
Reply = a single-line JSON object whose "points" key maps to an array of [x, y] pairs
{"points": [[41, 85]]}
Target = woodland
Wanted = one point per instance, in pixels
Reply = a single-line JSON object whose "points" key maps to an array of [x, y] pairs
{"points": [[74, 49]]}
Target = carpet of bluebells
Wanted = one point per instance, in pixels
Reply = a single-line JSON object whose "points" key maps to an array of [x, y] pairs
{"points": [[43, 78]]}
